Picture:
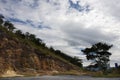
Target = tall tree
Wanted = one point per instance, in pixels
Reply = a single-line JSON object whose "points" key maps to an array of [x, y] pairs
{"points": [[99, 54]]}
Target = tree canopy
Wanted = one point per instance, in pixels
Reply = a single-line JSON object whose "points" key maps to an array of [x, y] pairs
{"points": [[99, 54], [1, 19], [9, 25]]}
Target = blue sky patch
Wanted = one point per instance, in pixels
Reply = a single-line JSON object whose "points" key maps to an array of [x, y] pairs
{"points": [[29, 22], [78, 7], [34, 4], [16, 20], [4, 1], [42, 27]]}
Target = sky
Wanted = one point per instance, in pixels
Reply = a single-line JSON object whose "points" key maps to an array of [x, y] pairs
{"points": [[68, 25]]}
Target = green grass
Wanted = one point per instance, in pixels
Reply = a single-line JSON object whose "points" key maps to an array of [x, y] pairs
{"points": [[108, 75], [101, 74]]}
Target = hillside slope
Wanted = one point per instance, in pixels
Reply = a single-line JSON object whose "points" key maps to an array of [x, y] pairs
{"points": [[22, 56]]}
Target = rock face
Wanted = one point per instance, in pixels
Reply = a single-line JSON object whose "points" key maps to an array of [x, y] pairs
{"points": [[21, 57]]}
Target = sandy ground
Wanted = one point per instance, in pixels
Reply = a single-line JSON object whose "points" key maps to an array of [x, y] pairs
{"points": [[10, 73]]}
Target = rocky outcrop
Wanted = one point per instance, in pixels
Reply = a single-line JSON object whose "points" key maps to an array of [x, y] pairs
{"points": [[22, 57]]}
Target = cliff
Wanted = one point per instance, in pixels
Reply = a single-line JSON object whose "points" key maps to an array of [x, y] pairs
{"points": [[22, 56]]}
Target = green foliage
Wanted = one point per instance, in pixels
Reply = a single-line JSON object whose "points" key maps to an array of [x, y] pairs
{"points": [[20, 34], [99, 54], [1, 19], [74, 60], [1, 16], [9, 25]]}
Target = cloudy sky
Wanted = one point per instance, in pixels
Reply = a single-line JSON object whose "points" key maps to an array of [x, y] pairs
{"points": [[68, 25]]}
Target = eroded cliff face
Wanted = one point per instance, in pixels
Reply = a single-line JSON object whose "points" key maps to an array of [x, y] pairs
{"points": [[22, 57]]}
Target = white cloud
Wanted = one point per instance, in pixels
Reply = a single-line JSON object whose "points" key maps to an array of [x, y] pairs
{"points": [[70, 29]]}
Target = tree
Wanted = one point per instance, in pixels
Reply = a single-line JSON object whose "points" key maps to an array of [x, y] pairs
{"points": [[1, 19], [99, 54], [1, 16], [75, 60], [38, 41], [9, 26], [51, 49], [27, 34], [32, 37], [19, 33]]}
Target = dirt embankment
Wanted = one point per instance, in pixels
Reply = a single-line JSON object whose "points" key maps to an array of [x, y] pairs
{"points": [[23, 58]]}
